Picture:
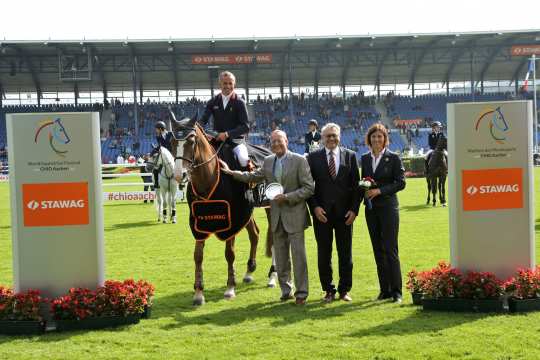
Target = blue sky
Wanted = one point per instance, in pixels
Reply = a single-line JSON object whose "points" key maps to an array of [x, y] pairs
{"points": [[41, 20]]}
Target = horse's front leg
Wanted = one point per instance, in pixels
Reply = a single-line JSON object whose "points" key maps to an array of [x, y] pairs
{"points": [[442, 190], [198, 254], [253, 233], [231, 280], [428, 190], [159, 203], [172, 201], [272, 274], [434, 189]]}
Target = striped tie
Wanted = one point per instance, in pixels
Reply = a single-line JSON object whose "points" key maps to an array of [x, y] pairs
{"points": [[332, 165]]}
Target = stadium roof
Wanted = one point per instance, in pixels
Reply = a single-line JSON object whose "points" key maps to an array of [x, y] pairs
{"points": [[169, 64]]}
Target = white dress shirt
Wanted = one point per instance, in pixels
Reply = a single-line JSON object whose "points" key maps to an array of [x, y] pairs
{"points": [[225, 100], [376, 160], [336, 157]]}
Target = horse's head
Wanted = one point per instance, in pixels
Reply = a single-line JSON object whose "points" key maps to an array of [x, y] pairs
{"points": [[184, 133], [441, 143], [59, 132], [154, 160], [313, 146]]}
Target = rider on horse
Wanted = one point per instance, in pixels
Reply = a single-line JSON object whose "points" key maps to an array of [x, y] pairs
{"points": [[312, 137], [230, 118], [164, 138], [433, 139]]}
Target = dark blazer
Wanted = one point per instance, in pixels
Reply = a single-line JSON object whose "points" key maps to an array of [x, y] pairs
{"points": [[389, 177], [167, 141], [309, 138], [233, 119], [433, 138], [340, 194]]}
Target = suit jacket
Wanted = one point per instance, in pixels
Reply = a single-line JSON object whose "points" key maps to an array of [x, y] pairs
{"points": [[297, 185], [389, 177], [309, 138], [233, 119], [340, 194], [166, 142], [433, 139]]}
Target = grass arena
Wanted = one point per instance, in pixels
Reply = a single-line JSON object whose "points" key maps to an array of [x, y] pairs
{"points": [[256, 323]]}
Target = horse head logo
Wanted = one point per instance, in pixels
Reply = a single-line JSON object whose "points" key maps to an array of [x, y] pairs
{"points": [[57, 135], [314, 146], [497, 124]]}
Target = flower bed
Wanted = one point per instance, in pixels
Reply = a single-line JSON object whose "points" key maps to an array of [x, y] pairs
{"points": [[524, 290], [448, 289], [19, 312], [115, 303]]}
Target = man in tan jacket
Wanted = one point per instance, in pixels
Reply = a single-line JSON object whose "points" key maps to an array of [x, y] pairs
{"points": [[289, 212]]}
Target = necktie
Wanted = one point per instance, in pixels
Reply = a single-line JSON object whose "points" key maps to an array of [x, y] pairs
{"points": [[278, 171], [332, 165]]}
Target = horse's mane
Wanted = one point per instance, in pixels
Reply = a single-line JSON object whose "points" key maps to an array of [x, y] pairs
{"points": [[206, 176], [203, 149]]}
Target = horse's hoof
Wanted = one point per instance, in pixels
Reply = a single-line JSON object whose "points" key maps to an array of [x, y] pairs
{"points": [[443, 205], [434, 204], [272, 280], [198, 300], [251, 265], [164, 221], [248, 278], [229, 293], [173, 220]]}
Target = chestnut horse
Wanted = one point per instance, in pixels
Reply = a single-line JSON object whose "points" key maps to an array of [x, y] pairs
{"points": [[196, 156]]}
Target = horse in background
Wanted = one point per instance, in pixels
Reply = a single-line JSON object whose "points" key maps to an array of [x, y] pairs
{"points": [[161, 158], [196, 156], [436, 173]]}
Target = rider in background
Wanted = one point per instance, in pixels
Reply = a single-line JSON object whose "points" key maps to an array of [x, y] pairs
{"points": [[230, 117], [313, 135], [164, 138], [436, 134]]}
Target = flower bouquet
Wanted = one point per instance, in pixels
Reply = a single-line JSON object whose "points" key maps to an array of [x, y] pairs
{"points": [[366, 184]]}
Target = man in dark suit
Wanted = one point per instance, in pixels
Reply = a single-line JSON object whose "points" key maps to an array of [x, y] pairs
{"points": [[382, 209], [164, 138], [230, 117], [312, 136], [334, 207]]}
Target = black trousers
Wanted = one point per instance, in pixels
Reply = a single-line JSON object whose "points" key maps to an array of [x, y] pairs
{"points": [[324, 234], [383, 227]]}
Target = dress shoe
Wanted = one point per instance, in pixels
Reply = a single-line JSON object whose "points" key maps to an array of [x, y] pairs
{"points": [[397, 299], [300, 301], [286, 297], [383, 296], [345, 297], [329, 297]]}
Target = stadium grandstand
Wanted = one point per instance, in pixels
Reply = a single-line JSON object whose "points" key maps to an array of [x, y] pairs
{"points": [[402, 81]]}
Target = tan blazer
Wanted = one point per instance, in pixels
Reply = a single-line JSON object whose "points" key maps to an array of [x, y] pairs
{"points": [[297, 184]]}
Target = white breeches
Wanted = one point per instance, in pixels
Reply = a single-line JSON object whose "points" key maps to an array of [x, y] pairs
{"points": [[241, 153]]}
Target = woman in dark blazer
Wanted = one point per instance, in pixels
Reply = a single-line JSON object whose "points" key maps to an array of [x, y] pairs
{"points": [[382, 209]]}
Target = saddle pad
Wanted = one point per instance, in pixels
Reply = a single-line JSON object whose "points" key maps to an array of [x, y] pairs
{"points": [[211, 216]]}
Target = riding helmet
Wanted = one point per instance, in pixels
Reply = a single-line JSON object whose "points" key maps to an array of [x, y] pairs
{"points": [[160, 125]]}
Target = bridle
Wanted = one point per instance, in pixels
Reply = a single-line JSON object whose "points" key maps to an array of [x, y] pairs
{"points": [[193, 164]]}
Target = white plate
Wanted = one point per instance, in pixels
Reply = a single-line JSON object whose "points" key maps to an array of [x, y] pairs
{"points": [[272, 190]]}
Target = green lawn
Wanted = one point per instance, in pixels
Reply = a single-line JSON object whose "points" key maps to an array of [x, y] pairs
{"points": [[256, 324]]}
